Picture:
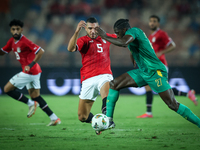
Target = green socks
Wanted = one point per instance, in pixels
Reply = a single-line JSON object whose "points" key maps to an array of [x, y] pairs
{"points": [[188, 114], [111, 101]]}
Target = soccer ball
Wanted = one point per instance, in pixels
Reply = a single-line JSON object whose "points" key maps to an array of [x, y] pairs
{"points": [[100, 122]]}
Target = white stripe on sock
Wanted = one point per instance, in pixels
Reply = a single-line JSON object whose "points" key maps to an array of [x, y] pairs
{"points": [[20, 97], [44, 106]]}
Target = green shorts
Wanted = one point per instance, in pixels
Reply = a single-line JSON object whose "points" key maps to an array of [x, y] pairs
{"points": [[158, 81]]}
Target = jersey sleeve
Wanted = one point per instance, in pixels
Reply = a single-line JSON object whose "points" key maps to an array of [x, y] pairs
{"points": [[80, 43], [166, 39], [8, 47], [32, 46], [132, 32]]}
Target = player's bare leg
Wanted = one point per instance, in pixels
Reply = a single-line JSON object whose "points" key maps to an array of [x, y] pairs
{"points": [[84, 107], [168, 97], [149, 101], [84, 114], [35, 95], [9, 89], [104, 93]]}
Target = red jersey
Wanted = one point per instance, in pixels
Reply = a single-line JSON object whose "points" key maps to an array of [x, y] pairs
{"points": [[25, 51], [95, 56], [160, 40]]}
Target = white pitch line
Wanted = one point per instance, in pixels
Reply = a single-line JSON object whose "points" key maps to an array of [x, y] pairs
{"points": [[35, 124], [7, 129]]}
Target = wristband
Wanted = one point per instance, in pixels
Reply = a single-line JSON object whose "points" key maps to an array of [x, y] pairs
{"points": [[32, 64]]}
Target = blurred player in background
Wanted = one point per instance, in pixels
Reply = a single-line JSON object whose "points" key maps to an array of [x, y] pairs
{"points": [[151, 71], [28, 54], [96, 71], [162, 44]]}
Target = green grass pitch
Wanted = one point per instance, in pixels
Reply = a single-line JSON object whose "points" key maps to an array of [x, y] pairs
{"points": [[165, 131]]}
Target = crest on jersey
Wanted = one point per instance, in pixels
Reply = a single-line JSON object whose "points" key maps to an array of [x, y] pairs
{"points": [[104, 40], [18, 50], [91, 41], [153, 39]]}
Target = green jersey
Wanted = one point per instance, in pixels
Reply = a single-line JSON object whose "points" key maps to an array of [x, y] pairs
{"points": [[143, 53]]}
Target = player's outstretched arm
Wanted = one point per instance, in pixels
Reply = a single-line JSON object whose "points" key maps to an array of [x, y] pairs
{"points": [[123, 42], [72, 42]]}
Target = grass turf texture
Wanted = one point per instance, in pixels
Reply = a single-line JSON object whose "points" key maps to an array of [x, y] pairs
{"points": [[167, 130]]}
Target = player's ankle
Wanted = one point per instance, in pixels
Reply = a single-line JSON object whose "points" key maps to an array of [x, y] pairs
{"points": [[110, 119], [149, 113]]}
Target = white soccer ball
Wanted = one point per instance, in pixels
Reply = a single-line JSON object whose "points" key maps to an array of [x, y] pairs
{"points": [[100, 122]]}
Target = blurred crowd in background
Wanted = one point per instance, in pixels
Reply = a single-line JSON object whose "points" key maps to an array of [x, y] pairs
{"points": [[51, 23]]}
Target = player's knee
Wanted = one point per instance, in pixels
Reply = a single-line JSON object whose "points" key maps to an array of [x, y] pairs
{"points": [[113, 85], [6, 90], [34, 96], [34, 93]]}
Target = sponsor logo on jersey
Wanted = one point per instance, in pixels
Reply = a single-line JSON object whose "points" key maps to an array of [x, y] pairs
{"points": [[35, 48], [159, 73], [18, 50], [153, 39], [104, 40], [91, 41]]}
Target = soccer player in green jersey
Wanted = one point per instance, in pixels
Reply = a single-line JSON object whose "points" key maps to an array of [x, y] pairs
{"points": [[151, 70]]}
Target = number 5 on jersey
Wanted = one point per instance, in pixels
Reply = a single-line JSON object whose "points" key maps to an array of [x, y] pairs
{"points": [[99, 48]]}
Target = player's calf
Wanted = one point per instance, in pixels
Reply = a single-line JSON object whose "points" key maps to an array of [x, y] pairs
{"points": [[173, 105], [43, 105], [18, 96], [169, 99]]}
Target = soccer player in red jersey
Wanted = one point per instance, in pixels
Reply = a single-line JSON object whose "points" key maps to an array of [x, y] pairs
{"points": [[96, 71], [28, 54], [162, 44]]}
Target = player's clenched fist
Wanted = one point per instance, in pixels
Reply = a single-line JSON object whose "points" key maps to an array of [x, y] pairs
{"points": [[26, 69], [80, 25]]}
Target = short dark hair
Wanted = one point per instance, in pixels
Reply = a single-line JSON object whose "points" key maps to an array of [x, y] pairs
{"points": [[122, 23], [154, 16], [92, 20], [16, 22]]}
